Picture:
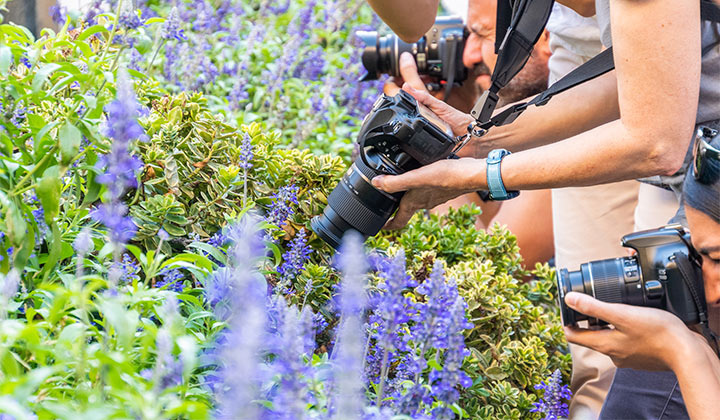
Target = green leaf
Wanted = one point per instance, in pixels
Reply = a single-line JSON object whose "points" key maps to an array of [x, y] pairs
{"points": [[42, 76], [48, 191], [434, 364], [209, 249], [495, 373], [70, 138], [6, 59], [56, 246]]}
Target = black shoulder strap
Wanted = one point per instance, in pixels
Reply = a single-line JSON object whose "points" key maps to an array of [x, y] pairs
{"points": [[503, 18], [692, 277], [597, 66], [528, 21]]}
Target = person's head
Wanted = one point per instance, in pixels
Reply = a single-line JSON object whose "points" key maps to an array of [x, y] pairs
{"points": [[702, 207], [479, 55]]}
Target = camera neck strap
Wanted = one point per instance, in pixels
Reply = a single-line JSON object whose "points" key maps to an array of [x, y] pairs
{"points": [[692, 276], [517, 23]]}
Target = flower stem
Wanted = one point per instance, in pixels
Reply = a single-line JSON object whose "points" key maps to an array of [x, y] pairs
{"points": [[383, 375]]}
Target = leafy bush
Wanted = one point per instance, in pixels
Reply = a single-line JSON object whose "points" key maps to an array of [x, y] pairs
{"points": [[129, 267]]}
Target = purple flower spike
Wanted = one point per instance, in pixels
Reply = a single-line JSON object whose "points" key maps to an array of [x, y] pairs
{"points": [[83, 242], [246, 152], [280, 207], [171, 29], [348, 399], [555, 394], [246, 291], [295, 257], [120, 166]]}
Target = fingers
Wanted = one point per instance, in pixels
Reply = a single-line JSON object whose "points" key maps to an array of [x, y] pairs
{"points": [[392, 86], [425, 98], [409, 71], [609, 312], [404, 212], [594, 339], [418, 178]]}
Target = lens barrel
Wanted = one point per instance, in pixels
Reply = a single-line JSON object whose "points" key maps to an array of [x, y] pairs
{"points": [[613, 280], [381, 54], [355, 205]]}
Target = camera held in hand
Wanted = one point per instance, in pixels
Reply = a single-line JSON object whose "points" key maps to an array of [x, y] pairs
{"points": [[665, 273], [438, 53], [397, 136]]}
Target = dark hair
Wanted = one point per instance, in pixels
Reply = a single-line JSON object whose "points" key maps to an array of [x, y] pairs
{"points": [[705, 197]]}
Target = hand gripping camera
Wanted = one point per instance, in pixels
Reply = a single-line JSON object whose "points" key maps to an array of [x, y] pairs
{"points": [[397, 136], [438, 53], [665, 273]]}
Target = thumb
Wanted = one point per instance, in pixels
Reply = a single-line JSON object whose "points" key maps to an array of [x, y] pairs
{"points": [[389, 183], [409, 71]]}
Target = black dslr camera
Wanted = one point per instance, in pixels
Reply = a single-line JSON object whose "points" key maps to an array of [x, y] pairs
{"points": [[397, 136], [665, 273], [438, 54]]}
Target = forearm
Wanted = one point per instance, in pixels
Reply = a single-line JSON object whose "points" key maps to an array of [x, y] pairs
{"points": [[698, 371], [409, 19], [605, 154], [572, 112]]}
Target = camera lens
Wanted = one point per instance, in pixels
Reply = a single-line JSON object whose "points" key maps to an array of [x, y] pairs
{"points": [[381, 54], [614, 280], [355, 204]]}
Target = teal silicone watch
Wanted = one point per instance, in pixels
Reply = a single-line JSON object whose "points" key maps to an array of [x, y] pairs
{"points": [[494, 177]]}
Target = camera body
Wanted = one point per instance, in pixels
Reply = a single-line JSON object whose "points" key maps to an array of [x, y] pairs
{"points": [[397, 136], [651, 277], [438, 53]]}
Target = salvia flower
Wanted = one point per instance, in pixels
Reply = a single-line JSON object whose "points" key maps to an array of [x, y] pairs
{"points": [[445, 382], [18, 116], [348, 397], [120, 166], [125, 271], [218, 289], [295, 257], [171, 29], [392, 307], [168, 370], [243, 342], [171, 279], [281, 205], [130, 20], [114, 217], [553, 404], [246, 152], [83, 242], [8, 289]]}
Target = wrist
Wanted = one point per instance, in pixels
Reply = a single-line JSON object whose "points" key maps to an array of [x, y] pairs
{"points": [[687, 349]]}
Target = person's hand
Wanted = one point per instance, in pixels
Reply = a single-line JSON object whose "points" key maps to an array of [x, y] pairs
{"points": [[414, 85], [409, 74], [642, 338], [431, 185]]}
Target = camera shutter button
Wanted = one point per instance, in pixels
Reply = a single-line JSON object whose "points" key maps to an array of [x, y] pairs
{"points": [[654, 289]]}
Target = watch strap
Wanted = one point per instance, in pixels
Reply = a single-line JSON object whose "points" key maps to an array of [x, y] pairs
{"points": [[494, 176]]}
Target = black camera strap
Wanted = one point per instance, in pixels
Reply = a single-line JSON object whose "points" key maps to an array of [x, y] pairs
{"points": [[692, 276], [517, 23]]}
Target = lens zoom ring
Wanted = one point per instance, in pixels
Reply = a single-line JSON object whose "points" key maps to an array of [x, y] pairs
{"points": [[365, 170], [607, 277], [354, 212]]}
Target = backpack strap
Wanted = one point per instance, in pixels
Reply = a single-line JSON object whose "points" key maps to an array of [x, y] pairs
{"points": [[595, 67]]}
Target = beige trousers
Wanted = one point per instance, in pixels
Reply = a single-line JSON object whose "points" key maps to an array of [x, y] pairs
{"points": [[588, 224]]}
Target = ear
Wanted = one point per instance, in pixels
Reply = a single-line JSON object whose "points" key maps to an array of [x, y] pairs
{"points": [[542, 47]]}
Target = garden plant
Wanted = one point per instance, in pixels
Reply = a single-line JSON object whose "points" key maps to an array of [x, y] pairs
{"points": [[160, 162]]}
